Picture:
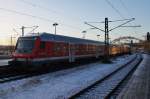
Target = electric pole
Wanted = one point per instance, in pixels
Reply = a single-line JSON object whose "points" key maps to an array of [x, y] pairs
{"points": [[22, 28], [106, 40], [84, 33], [106, 31], [11, 44], [55, 24]]}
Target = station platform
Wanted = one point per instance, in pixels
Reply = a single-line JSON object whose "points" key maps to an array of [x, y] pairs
{"points": [[138, 86]]}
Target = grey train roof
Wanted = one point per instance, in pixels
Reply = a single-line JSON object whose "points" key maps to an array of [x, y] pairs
{"points": [[52, 37]]}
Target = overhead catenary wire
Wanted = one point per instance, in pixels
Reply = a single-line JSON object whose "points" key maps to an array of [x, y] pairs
{"points": [[37, 17], [35, 5], [48, 9], [25, 14], [34, 28], [125, 7], [110, 21], [115, 9], [127, 21], [127, 10], [120, 14]]}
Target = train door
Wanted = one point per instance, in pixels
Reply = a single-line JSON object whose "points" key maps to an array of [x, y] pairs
{"points": [[71, 52], [42, 50]]}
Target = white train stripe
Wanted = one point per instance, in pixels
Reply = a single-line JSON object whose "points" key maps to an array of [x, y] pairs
{"points": [[55, 58]]}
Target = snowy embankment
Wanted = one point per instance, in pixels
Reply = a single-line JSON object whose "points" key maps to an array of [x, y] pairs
{"points": [[60, 84]]}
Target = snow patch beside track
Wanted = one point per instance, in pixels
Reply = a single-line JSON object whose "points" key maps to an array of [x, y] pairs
{"points": [[60, 84]]}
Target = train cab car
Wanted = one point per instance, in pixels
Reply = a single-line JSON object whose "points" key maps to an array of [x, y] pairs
{"points": [[25, 50], [39, 49], [44, 48], [25, 47]]}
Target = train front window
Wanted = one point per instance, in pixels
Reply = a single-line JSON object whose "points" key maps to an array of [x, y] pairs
{"points": [[25, 45]]}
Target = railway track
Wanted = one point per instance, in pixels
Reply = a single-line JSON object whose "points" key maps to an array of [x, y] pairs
{"points": [[111, 85], [115, 92], [9, 73], [11, 78], [14, 75]]}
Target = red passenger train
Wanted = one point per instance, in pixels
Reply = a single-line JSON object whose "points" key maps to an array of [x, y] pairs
{"points": [[43, 48]]}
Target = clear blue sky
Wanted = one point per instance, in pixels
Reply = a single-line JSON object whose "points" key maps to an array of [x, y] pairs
{"points": [[71, 15]]}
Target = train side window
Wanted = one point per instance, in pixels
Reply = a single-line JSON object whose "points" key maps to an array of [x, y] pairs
{"points": [[42, 45]]}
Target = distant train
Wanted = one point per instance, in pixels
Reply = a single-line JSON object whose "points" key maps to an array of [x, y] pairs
{"points": [[44, 48]]}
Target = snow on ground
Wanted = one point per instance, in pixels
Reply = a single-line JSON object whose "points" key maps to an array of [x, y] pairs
{"points": [[4, 62], [61, 84]]}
